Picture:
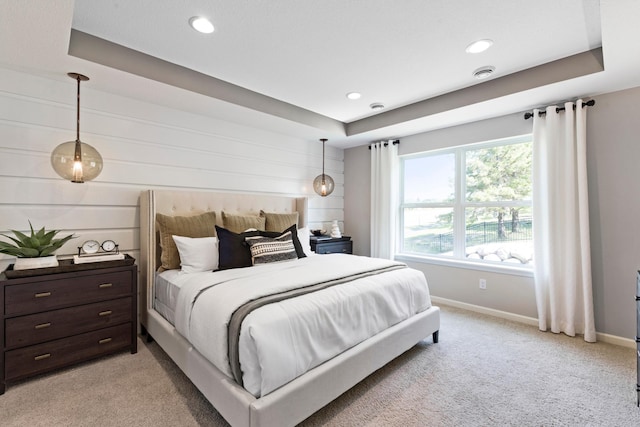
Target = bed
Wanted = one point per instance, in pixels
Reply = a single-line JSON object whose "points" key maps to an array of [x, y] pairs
{"points": [[300, 395]]}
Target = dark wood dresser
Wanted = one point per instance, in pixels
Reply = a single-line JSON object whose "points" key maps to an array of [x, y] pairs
{"points": [[324, 245], [56, 320]]}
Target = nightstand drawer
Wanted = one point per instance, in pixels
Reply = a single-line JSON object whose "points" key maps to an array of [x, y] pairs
{"points": [[51, 325], [43, 357], [51, 294], [344, 247]]}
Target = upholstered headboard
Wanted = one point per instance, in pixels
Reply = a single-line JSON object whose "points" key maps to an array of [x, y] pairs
{"points": [[170, 202]]}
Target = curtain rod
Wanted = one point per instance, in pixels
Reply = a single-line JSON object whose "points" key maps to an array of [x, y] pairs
{"points": [[589, 103], [394, 142]]}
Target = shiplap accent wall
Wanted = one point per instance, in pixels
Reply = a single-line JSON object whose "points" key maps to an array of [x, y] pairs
{"points": [[144, 146]]}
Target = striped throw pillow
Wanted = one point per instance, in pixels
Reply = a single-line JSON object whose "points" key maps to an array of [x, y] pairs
{"points": [[271, 249]]}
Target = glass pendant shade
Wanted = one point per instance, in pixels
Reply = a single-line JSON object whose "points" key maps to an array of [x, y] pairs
{"points": [[74, 160], [323, 184], [64, 162]]}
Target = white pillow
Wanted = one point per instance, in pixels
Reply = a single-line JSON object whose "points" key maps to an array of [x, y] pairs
{"points": [[197, 253], [303, 237]]}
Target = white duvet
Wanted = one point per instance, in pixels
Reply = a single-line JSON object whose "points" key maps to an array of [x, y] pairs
{"points": [[280, 341]]}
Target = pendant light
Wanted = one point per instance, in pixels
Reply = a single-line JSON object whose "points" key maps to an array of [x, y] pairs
{"points": [[75, 160], [323, 184]]}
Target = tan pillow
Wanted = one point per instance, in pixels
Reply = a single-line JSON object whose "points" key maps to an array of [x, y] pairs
{"points": [[202, 225], [240, 223], [279, 221]]}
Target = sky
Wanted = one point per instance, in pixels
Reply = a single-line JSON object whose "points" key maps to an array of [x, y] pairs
{"points": [[429, 178]]}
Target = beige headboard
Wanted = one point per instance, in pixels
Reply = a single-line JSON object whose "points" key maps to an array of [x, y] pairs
{"points": [[170, 202]]}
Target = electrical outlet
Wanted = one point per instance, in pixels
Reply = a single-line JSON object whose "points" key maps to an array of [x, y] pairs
{"points": [[483, 284]]}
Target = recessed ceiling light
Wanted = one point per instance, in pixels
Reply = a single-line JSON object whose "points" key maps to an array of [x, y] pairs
{"points": [[479, 46], [376, 106], [354, 95], [484, 72], [201, 24]]}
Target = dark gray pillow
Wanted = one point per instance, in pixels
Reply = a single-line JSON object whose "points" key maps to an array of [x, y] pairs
{"points": [[234, 251]]}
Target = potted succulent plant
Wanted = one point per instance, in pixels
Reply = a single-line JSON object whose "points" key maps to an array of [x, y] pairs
{"points": [[35, 251]]}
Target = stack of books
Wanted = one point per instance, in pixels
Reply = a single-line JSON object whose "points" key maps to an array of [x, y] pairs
{"points": [[83, 259]]}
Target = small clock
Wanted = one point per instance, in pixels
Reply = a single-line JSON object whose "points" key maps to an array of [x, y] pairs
{"points": [[90, 247], [109, 246], [93, 247]]}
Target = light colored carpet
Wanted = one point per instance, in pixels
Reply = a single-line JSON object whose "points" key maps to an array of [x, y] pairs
{"points": [[484, 372]]}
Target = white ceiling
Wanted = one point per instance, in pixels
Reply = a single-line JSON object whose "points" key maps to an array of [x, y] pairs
{"points": [[287, 65]]}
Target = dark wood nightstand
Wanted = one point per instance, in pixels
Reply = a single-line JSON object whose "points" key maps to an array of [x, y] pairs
{"points": [[324, 245], [51, 321]]}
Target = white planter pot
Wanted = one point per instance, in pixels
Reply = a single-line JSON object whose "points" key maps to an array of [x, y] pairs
{"points": [[42, 262]]}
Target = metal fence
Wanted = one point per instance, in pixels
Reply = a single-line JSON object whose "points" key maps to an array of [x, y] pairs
{"points": [[480, 233]]}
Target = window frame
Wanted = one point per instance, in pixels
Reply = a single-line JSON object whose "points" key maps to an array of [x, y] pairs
{"points": [[459, 206]]}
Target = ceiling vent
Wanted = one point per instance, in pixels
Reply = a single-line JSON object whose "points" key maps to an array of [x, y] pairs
{"points": [[483, 72]]}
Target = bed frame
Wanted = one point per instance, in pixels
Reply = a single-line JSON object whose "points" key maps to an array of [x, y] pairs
{"points": [[297, 400]]}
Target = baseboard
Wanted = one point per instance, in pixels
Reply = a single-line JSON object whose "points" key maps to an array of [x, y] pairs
{"points": [[485, 310], [616, 340], [601, 337]]}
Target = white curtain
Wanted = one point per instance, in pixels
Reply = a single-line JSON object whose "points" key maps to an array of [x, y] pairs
{"points": [[562, 256], [384, 198]]}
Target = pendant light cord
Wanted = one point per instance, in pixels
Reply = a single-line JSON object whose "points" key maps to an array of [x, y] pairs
{"points": [[322, 159], [79, 78], [77, 157], [323, 141], [78, 111]]}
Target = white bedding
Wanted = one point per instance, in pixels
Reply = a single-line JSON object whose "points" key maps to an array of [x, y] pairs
{"points": [[280, 341], [166, 288]]}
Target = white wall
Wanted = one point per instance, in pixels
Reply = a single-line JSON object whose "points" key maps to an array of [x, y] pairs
{"points": [[614, 193], [143, 146]]}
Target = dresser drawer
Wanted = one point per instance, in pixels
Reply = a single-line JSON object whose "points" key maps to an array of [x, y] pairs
{"points": [[51, 294], [37, 328], [335, 248], [27, 361]]}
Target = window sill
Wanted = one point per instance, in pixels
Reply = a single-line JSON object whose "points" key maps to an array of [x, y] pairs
{"points": [[470, 265]]}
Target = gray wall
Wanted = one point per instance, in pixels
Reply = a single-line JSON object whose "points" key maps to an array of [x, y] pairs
{"points": [[614, 207], [613, 150], [357, 184]]}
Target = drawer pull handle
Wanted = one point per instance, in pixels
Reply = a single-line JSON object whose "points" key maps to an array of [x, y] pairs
{"points": [[42, 294], [104, 341], [106, 285], [42, 356], [43, 325], [105, 313]]}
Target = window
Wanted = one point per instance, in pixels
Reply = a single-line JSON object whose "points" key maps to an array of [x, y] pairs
{"points": [[471, 202]]}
